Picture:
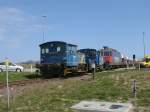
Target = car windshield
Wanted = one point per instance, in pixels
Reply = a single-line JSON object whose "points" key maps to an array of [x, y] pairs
{"points": [[2, 63], [10, 64]]}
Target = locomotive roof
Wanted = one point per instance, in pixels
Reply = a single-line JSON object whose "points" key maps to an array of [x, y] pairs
{"points": [[61, 42], [110, 49], [87, 49]]}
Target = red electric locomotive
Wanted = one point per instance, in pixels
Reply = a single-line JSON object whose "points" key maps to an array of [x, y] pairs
{"points": [[112, 58]]}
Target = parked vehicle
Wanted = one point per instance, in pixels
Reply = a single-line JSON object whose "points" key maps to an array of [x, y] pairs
{"points": [[11, 67], [145, 62]]}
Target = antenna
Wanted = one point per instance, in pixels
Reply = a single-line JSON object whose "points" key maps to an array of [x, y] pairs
{"points": [[144, 43]]}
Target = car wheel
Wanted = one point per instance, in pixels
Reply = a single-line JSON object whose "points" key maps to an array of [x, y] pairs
{"points": [[18, 70], [1, 70]]}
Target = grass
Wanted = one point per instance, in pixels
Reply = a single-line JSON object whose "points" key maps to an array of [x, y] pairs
{"points": [[14, 76], [112, 86]]}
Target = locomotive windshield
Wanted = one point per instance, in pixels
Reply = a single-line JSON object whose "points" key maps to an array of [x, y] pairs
{"points": [[106, 53], [56, 49], [89, 52], [53, 49]]}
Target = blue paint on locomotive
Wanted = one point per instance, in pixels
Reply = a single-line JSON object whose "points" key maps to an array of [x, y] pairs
{"points": [[72, 58], [90, 55], [57, 52]]}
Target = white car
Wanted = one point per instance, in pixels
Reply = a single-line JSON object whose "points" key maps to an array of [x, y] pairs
{"points": [[11, 67]]}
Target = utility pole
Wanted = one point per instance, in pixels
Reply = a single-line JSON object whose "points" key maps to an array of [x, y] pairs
{"points": [[144, 43], [44, 18]]}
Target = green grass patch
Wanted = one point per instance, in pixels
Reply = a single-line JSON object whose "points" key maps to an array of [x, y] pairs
{"points": [[13, 76]]}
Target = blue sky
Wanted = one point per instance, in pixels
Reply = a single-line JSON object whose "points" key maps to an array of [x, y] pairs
{"points": [[88, 23]]}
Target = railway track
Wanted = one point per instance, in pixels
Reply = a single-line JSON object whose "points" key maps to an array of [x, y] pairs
{"points": [[34, 81], [22, 82]]}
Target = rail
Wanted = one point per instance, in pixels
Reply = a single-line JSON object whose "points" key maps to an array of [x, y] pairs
{"points": [[22, 82]]}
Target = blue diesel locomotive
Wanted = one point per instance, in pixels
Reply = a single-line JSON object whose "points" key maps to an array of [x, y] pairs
{"points": [[92, 56], [58, 57]]}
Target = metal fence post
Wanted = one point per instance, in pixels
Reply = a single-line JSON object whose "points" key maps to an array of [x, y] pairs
{"points": [[134, 89], [93, 70], [7, 81], [139, 66], [31, 69]]}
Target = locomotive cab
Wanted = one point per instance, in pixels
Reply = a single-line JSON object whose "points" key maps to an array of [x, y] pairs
{"points": [[58, 57], [91, 56]]}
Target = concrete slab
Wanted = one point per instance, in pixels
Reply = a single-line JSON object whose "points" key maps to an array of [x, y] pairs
{"points": [[95, 106]]}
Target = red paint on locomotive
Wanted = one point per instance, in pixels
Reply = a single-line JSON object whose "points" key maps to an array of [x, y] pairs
{"points": [[108, 59]]}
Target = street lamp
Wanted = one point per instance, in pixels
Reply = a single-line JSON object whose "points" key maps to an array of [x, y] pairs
{"points": [[44, 18], [144, 42]]}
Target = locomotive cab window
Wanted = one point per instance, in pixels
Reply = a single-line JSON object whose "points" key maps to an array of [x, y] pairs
{"points": [[71, 49], [47, 50], [110, 53], [51, 45], [107, 53], [74, 49], [58, 49], [43, 51], [102, 53]]}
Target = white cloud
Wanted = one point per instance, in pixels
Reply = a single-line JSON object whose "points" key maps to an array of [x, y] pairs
{"points": [[16, 25]]}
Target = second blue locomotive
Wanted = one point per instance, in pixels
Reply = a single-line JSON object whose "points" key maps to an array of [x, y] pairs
{"points": [[92, 56]]}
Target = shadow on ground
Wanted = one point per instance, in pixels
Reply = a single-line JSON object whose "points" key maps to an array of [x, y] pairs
{"points": [[50, 76]]}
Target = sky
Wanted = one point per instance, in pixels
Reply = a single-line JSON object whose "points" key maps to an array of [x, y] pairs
{"points": [[87, 23]]}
